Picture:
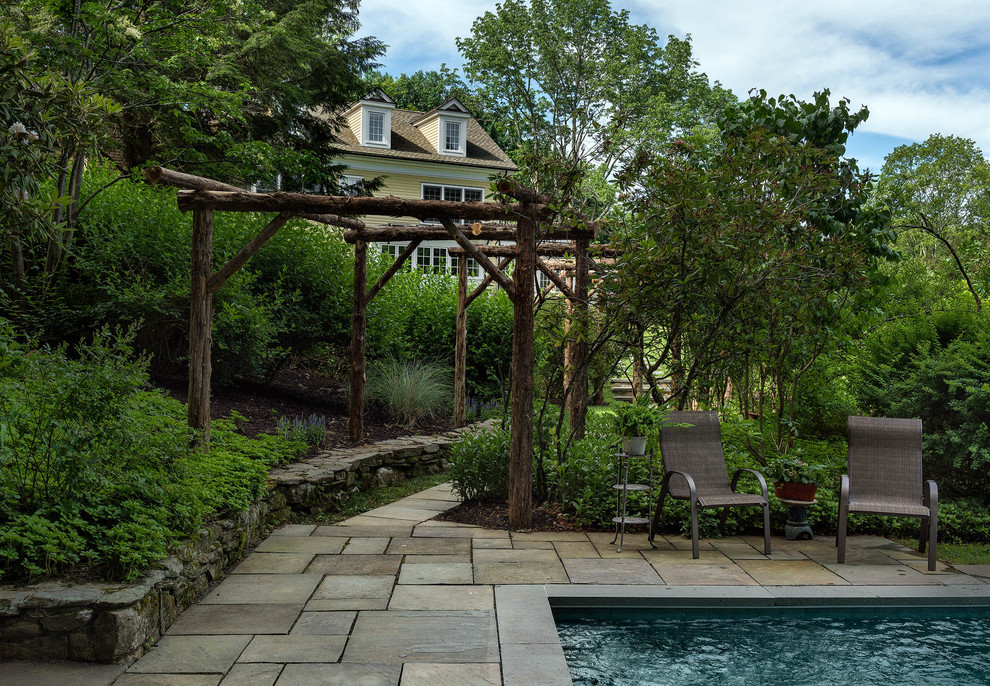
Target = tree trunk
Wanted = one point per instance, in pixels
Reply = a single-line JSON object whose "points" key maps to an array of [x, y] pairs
{"points": [[521, 440], [355, 420], [200, 324]]}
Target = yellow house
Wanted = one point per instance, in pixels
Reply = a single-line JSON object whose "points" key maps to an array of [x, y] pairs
{"points": [[443, 154]]}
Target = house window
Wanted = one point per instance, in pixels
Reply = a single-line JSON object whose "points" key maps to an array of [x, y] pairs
{"points": [[451, 194], [473, 270], [440, 260], [391, 250], [452, 136], [351, 185], [376, 127]]}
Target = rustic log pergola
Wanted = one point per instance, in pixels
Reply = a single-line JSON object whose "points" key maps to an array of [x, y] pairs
{"points": [[206, 196]]}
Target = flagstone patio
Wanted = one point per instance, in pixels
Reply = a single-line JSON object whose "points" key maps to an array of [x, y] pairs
{"points": [[392, 598]]}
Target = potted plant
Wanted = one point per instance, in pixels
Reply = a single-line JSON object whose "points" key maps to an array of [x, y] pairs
{"points": [[635, 421], [794, 478]]}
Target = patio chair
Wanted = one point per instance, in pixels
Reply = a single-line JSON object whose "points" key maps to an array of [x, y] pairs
{"points": [[694, 470], [885, 478]]}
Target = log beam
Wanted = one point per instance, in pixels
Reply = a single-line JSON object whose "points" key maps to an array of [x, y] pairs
{"points": [[547, 250], [169, 177], [554, 278], [389, 234], [488, 280], [242, 201], [472, 251], [391, 271], [247, 252]]}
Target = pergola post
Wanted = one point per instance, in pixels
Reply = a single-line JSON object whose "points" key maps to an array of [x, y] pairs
{"points": [[460, 344], [355, 419], [200, 325], [577, 341], [521, 439]]}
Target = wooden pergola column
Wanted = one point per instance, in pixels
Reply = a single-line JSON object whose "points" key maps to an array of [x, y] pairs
{"points": [[460, 344], [576, 355], [521, 439], [200, 325], [359, 322]]}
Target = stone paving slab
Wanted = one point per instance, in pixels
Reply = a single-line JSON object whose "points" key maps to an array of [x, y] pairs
{"points": [[168, 680], [882, 575], [254, 589], [355, 564], [376, 529], [415, 597], [294, 530], [429, 546], [535, 663], [533, 545], [274, 563], [433, 559], [191, 655], [236, 619], [706, 556], [437, 573], [678, 574], [325, 623], [433, 505], [981, 571], [426, 674], [344, 674], [576, 549], [402, 514], [294, 648], [356, 587], [57, 674], [367, 525], [549, 536], [365, 545], [411, 636], [790, 573], [500, 543], [317, 545], [252, 674], [459, 532], [598, 571]]}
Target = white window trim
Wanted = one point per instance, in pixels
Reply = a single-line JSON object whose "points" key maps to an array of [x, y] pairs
{"points": [[423, 184], [349, 180], [386, 113], [462, 137]]}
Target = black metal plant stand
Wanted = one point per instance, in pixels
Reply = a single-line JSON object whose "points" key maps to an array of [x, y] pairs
{"points": [[622, 488]]}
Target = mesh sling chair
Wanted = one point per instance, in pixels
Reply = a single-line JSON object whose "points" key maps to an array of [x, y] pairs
{"points": [[694, 470], [885, 478]]}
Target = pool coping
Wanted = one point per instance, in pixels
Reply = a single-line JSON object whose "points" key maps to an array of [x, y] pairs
{"points": [[531, 649]]}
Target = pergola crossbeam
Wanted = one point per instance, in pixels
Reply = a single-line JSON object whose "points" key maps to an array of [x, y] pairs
{"points": [[470, 249]]}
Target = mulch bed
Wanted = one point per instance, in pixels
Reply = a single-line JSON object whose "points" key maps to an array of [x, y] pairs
{"points": [[495, 515], [299, 393]]}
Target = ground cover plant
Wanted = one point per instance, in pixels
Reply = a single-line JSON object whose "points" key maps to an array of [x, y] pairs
{"points": [[96, 471]]}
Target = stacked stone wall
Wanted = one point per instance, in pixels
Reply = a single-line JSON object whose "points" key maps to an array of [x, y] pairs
{"points": [[105, 622]]}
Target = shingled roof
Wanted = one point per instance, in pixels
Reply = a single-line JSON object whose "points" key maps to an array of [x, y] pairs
{"points": [[408, 143]]}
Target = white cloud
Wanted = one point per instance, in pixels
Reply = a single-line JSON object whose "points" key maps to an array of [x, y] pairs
{"points": [[921, 67]]}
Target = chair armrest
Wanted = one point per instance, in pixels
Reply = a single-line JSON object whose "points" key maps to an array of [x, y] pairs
{"points": [[844, 489], [758, 475], [929, 497], [692, 489]]}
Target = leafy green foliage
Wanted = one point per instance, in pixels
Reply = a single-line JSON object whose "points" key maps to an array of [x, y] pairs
{"points": [[96, 470], [937, 369], [639, 418], [411, 391], [479, 465]]}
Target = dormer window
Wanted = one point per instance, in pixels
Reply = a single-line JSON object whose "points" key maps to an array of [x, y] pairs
{"points": [[452, 136], [376, 127]]}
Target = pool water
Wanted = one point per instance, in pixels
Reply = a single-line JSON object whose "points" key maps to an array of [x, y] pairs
{"points": [[851, 647]]}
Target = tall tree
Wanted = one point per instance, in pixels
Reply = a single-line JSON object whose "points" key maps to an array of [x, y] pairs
{"points": [[939, 194], [582, 86]]}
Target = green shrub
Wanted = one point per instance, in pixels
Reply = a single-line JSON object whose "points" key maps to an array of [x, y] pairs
{"points": [[410, 391], [479, 465], [310, 430], [95, 470]]}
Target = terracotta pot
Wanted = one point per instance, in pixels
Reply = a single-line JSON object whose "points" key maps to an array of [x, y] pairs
{"points": [[793, 491]]}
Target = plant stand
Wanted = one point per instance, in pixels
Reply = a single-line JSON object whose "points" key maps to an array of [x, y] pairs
{"points": [[622, 488], [797, 527]]}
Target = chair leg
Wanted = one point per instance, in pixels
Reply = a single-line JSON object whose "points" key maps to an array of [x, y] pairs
{"points": [[722, 520], [923, 536], [766, 529], [932, 540], [840, 537], [695, 547], [655, 523]]}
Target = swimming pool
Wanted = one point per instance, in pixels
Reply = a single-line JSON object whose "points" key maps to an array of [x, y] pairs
{"points": [[847, 646]]}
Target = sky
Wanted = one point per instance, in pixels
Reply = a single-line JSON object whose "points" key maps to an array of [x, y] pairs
{"points": [[920, 67]]}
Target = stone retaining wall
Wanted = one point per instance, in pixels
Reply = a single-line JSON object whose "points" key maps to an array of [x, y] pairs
{"points": [[103, 622]]}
